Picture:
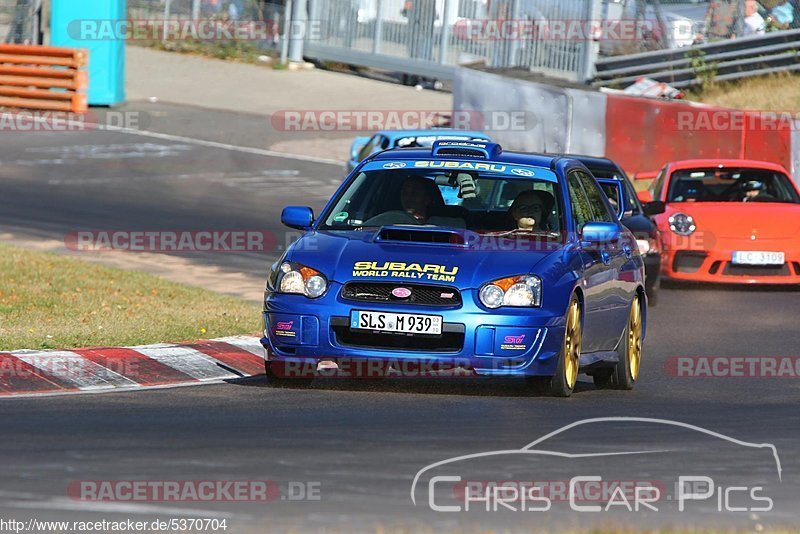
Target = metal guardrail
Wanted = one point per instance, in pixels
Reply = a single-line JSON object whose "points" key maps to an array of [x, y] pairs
{"points": [[721, 61]]}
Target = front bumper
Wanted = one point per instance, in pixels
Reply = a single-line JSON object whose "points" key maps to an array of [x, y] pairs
{"points": [[715, 265], [302, 332]]}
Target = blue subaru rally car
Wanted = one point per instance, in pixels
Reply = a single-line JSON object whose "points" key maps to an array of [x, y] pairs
{"points": [[526, 271]]}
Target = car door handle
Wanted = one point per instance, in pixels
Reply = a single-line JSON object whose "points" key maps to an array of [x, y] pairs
{"points": [[605, 256]]}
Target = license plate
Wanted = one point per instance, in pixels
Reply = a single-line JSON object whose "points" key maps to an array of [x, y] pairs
{"points": [[408, 323], [743, 257]]}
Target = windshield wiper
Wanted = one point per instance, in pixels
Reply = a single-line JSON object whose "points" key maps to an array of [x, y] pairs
{"points": [[518, 231]]}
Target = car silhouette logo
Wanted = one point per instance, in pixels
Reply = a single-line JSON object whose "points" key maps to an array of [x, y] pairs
{"points": [[401, 292], [394, 165]]}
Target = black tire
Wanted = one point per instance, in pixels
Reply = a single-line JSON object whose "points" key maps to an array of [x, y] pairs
{"points": [[563, 382], [626, 372]]}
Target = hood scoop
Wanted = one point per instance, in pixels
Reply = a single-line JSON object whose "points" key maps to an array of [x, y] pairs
{"points": [[424, 235]]}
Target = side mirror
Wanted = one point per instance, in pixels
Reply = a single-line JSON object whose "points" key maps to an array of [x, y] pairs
{"points": [[600, 232], [358, 144], [299, 217], [655, 207], [645, 196]]}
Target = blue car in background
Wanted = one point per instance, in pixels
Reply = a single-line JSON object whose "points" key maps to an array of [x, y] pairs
{"points": [[529, 273], [363, 147], [635, 216]]}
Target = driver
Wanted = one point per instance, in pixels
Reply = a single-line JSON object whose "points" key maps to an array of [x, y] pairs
{"points": [[531, 208], [416, 198], [754, 191]]}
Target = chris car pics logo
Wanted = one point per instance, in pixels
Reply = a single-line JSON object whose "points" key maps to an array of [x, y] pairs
{"points": [[446, 487]]}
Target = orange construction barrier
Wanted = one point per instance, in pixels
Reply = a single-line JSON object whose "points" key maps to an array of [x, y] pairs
{"points": [[43, 77]]}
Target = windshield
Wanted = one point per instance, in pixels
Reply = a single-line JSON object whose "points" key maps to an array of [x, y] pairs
{"points": [[731, 185], [482, 203]]}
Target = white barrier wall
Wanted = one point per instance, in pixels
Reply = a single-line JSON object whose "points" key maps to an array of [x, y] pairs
{"points": [[556, 119], [641, 134]]}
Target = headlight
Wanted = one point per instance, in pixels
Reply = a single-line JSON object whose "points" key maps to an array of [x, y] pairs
{"points": [[301, 280], [519, 291], [646, 246], [682, 224]]}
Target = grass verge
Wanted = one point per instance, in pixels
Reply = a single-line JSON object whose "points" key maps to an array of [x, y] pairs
{"points": [[777, 92], [51, 301], [242, 52]]}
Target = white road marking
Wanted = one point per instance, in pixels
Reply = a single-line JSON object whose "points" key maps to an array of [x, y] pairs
{"points": [[225, 146], [188, 361], [246, 343], [118, 508], [92, 378], [264, 177], [75, 369], [107, 150], [107, 391], [70, 154]]}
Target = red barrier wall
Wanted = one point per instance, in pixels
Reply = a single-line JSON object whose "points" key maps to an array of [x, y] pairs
{"points": [[643, 134]]}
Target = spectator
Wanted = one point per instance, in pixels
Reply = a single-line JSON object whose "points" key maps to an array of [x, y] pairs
{"points": [[720, 20], [235, 9], [782, 14], [421, 15], [213, 6], [753, 22]]}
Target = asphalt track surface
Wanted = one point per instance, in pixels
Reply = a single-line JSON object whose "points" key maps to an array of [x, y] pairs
{"points": [[361, 443]]}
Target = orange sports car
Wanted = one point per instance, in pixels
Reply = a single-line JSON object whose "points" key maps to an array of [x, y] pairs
{"points": [[731, 221]]}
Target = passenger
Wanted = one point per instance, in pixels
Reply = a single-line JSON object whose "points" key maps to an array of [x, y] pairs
{"points": [[753, 22], [782, 15], [416, 197], [531, 209]]}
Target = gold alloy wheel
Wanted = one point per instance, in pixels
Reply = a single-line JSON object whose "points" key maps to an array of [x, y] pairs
{"points": [[635, 338], [572, 344]]}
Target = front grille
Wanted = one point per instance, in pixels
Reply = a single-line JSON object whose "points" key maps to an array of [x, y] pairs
{"points": [[687, 261], [447, 342], [421, 294], [756, 270]]}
